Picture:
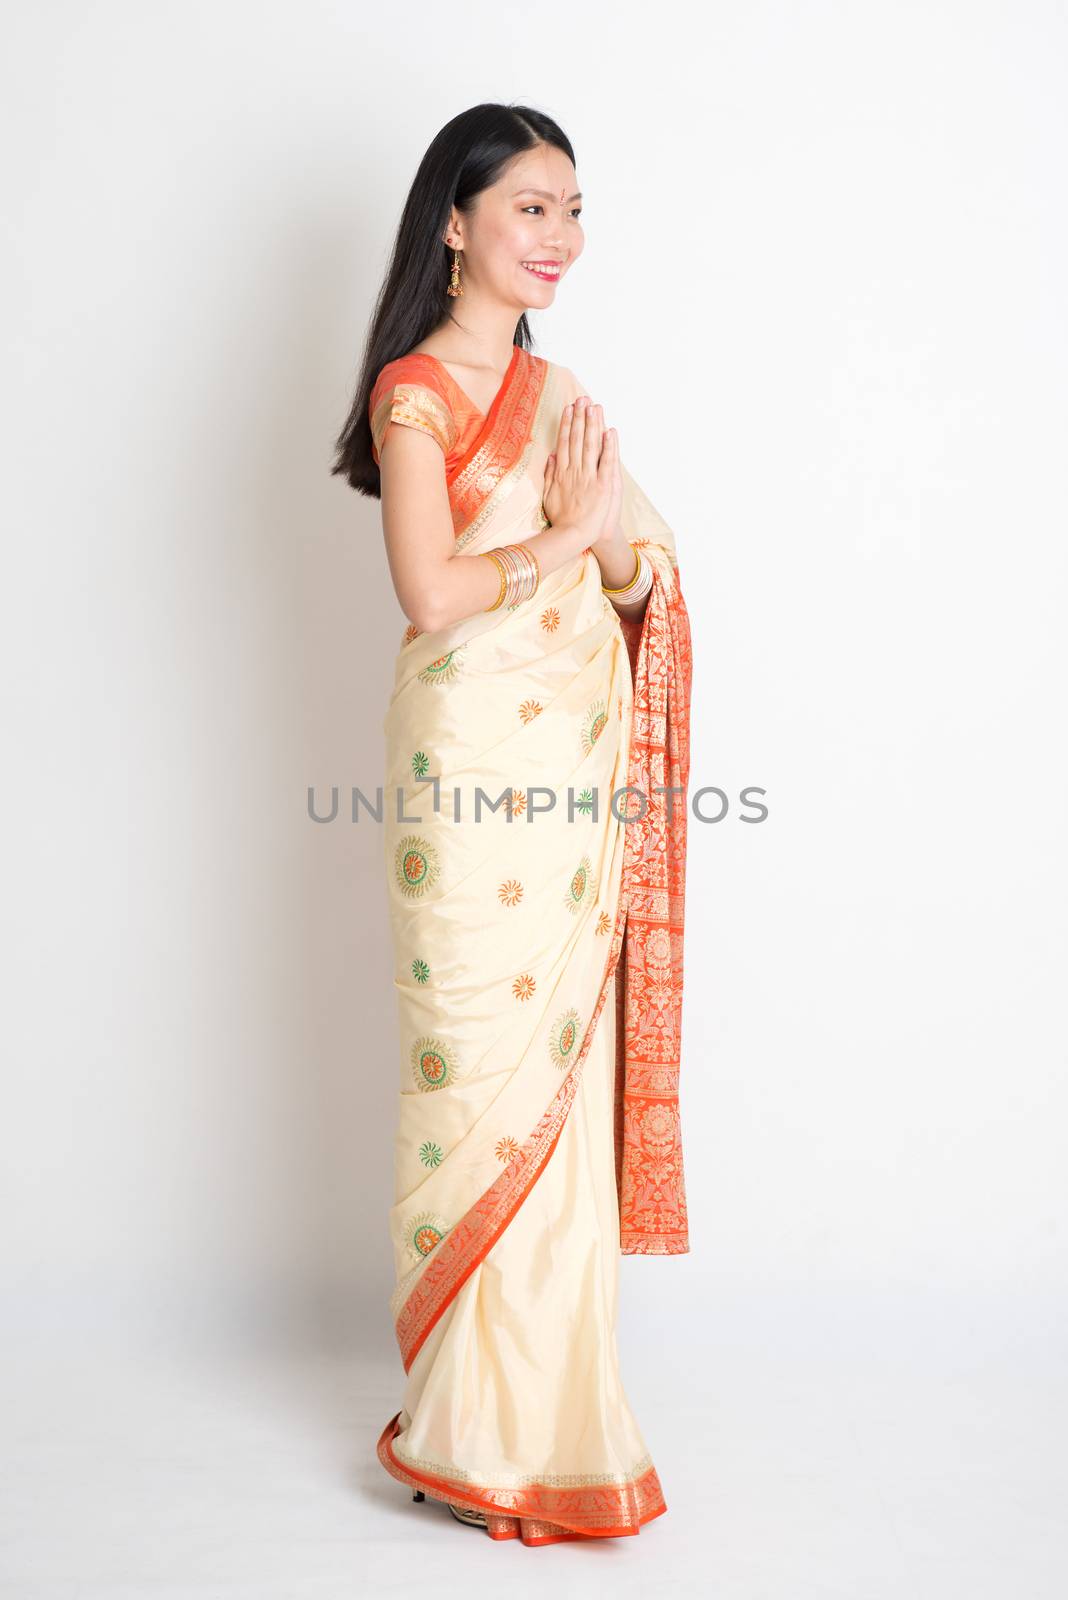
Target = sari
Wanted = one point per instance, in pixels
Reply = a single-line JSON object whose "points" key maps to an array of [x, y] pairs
{"points": [[535, 864]]}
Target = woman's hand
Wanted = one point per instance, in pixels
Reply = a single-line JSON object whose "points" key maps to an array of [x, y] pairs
{"points": [[615, 505], [583, 486]]}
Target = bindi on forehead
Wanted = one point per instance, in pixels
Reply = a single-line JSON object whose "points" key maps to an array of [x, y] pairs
{"points": [[545, 195]]}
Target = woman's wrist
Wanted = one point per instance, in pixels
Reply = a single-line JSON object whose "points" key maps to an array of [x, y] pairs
{"points": [[624, 568], [575, 534], [615, 556]]}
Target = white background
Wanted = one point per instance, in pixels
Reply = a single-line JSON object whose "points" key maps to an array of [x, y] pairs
{"points": [[822, 298]]}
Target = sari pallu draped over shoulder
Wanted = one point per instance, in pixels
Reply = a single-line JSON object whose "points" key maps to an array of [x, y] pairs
{"points": [[513, 933]]}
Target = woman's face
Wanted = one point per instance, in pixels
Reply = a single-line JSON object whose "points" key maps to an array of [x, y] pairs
{"points": [[530, 215]]}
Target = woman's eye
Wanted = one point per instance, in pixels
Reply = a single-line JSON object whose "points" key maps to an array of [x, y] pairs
{"points": [[576, 211]]}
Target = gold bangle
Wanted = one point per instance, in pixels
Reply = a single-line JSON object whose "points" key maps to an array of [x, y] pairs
{"points": [[490, 556], [520, 574], [631, 580]]}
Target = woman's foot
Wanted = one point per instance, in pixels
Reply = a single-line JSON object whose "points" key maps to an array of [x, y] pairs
{"points": [[474, 1519]]}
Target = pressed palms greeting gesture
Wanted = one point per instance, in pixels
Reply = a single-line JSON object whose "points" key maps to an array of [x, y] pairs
{"points": [[583, 485]]}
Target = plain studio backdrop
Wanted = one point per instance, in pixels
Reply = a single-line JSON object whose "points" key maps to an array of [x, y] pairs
{"points": [[822, 298]]}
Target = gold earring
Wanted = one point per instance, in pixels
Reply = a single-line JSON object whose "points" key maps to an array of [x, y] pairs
{"points": [[455, 286]]}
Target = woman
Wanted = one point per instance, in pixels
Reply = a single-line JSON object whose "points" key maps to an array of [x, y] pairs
{"points": [[536, 907]]}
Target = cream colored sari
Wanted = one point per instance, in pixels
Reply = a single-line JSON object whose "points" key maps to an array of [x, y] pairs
{"points": [[538, 1130]]}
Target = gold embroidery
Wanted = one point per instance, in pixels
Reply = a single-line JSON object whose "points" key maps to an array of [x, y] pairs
{"points": [[491, 479], [414, 406], [537, 1512], [480, 484], [523, 1480]]}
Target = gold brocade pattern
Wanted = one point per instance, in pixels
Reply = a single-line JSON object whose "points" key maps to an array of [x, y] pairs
{"points": [[499, 492], [415, 406], [526, 1480], [538, 1512], [499, 457]]}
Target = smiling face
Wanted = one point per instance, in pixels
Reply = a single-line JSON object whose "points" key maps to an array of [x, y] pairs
{"points": [[524, 232]]}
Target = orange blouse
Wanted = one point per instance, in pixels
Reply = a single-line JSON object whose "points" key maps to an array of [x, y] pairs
{"points": [[418, 392]]}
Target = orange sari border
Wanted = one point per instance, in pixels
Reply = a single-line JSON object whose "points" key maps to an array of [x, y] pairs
{"points": [[653, 1217], [539, 1513], [498, 451]]}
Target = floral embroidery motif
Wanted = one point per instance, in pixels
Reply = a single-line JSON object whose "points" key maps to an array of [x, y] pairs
{"points": [[529, 710], [604, 922], [420, 763], [411, 633], [444, 668], [434, 1064], [550, 619], [416, 865], [506, 1148], [585, 801], [517, 802], [511, 892], [658, 1127], [595, 724], [420, 971], [423, 1232], [430, 1154], [524, 986], [564, 1037], [582, 888]]}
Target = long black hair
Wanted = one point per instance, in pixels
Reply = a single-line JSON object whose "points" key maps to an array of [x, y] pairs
{"points": [[468, 155]]}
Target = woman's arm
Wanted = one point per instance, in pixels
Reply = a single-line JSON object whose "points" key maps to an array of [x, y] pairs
{"points": [[616, 557], [435, 584]]}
